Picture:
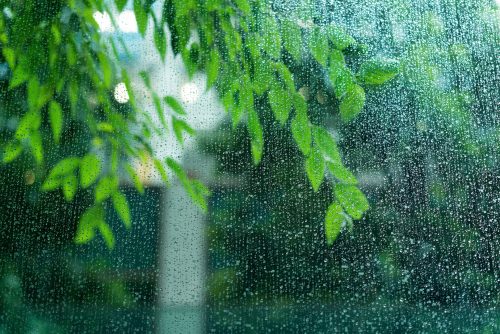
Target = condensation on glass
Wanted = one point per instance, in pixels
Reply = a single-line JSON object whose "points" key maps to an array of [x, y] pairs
{"points": [[425, 258]]}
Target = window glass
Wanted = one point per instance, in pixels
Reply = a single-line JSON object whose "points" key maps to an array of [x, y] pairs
{"points": [[249, 166]]}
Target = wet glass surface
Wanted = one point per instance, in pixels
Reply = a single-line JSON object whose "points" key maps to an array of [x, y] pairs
{"points": [[245, 166]]}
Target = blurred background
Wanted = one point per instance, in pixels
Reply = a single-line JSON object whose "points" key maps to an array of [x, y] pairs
{"points": [[425, 258]]}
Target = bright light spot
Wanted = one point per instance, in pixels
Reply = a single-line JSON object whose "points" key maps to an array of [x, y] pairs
{"points": [[307, 24], [7, 12], [127, 22], [104, 22], [121, 93], [190, 92]]}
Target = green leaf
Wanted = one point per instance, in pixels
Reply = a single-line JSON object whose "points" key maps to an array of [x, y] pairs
{"points": [[337, 62], [70, 186], [58, 173], [340, 39], [19, 76], [45, 94], [159, 167], [105, 127], [71, 54], [377, 72], [56, 120], [11, 151], [262, 77], [253, 43], [342, 174], [280, 103], [212, 68], [228, 101], [243, 5], [73, 94], [237, 112], [318, 44], [90, 169], [200, 188], [256, 135], [352, 199], [29, 122], [175, 105], [121, 206], [343, 83], [10, 56], [292, 38], [159, 110], [36, 146], [178, 171], [107, 234], [238, 106], [178, 26], [107, 71], [191, 58], [105, 188], [315, 168], [340, 76], [200, 192], [135, 179], [52, 183], [286, 76], [120, 4], [141, 16], [33, 92], [301, 130], [145, 78], [271, 38], [128, 85], [115, 157], [65, 166], [333, 222], [179, 127], [195, 189], [160, 41], [326, 145], [352, 103], [90, 219], [246, 97]]}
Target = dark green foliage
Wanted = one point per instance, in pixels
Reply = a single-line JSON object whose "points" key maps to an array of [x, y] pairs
{"points": [[425, 152]]}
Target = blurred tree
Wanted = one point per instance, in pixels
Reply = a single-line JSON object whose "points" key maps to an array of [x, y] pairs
{"points": [[59, 74]]}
